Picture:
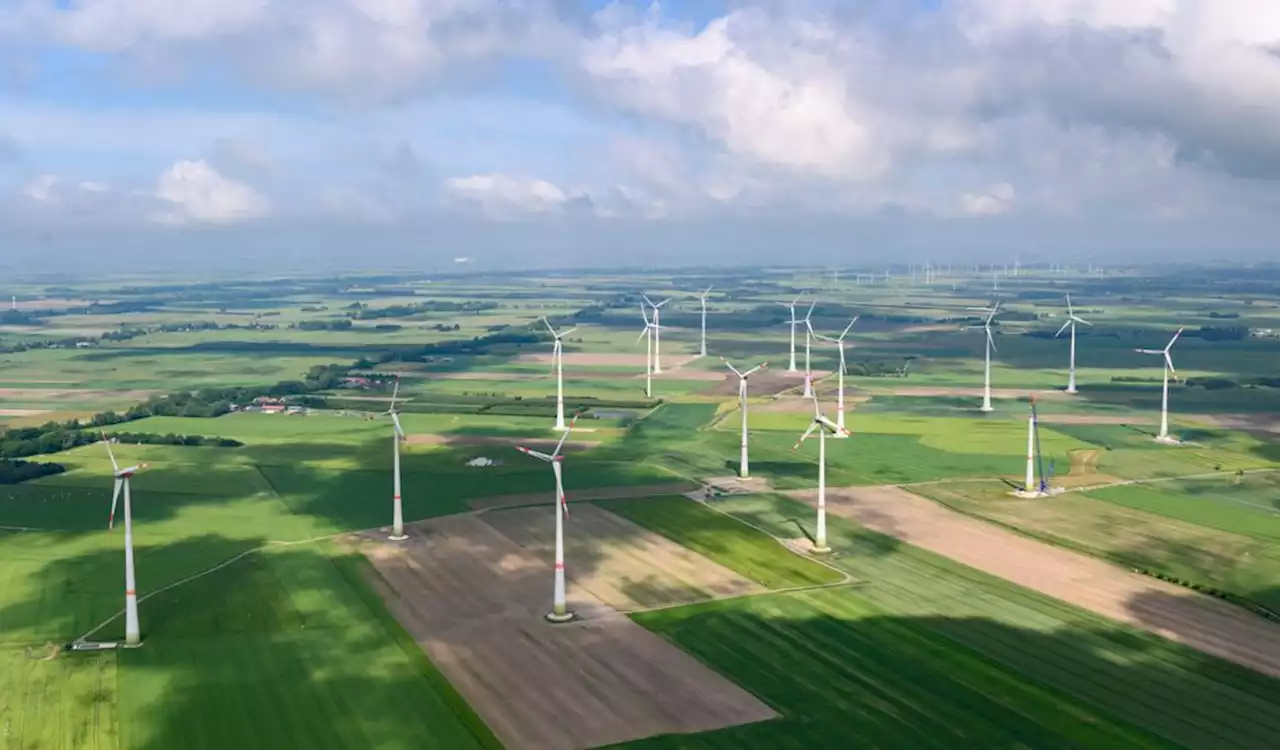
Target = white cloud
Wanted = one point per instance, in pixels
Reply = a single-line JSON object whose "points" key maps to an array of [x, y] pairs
{"points": [[504, 195], [195, 192], [993, 201], [115, 25], [40, 189]]}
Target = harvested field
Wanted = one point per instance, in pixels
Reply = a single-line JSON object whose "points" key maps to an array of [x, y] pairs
{"points": [[1091, 419], [534, 443], [762, 384], [22, 412], [636, 568], [600, 493], [473, 599], [71, 394], [1264, 423], [586, 359], [929, 391], [1210, 625]]}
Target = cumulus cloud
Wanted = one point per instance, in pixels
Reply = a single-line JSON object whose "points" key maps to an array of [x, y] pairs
{"points": [[992, 201], [195, 192], [502, 195]]}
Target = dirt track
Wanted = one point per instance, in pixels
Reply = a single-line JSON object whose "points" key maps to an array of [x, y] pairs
{"points": [[473, 599], [1210, 625], [599, 493]]}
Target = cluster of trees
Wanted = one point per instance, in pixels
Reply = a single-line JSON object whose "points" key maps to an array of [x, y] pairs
{"points": [[342, 324], [55, 437], [133, 332], [1221, 384], [14, 472], [360, 311], [19, 318], [1219, 333], [473, 346]]}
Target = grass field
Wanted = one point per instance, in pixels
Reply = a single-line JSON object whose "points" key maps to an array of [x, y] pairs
{"points": [[928, 643]]}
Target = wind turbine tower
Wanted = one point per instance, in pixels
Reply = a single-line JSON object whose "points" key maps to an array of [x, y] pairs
{"points": [[559, 609], [1164, 436], [397, 513], [839, 342], [744, 468], [808, 341], [702, 298], [657, 336], [650, 329], [132, 634], [1072, 320], [990, 346], [791, 363], [822, 426], [557, 361]]}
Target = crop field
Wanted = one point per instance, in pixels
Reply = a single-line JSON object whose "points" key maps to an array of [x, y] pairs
{"points": [[275, 613]]}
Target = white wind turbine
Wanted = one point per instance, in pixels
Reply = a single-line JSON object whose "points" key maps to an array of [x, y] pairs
{"points": [[744, 470], [650, 331], [559, 610], [822, 425], [839, 342], [132, 635], [702, 298], [1072, 320], [397, 514], [791, 364], [991, 346], [657, 335], [1164, 437], [808, 341], [557, 357]]}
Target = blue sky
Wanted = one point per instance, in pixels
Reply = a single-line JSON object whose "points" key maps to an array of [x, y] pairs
{"points": [[937, 127]]}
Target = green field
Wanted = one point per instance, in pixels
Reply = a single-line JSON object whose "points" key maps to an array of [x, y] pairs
{"points": [[262, 630]]}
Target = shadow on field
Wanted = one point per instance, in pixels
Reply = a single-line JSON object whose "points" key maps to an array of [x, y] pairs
{"points": [[897, 682]]}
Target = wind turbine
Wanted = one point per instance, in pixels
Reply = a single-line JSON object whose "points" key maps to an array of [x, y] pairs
{"points": [[791, 364], [703, 299], [991, 345], [650, 330], [1072, 320], [839, 342], [822, 425], [557, 357], [132, 635], [397, 514], [744, 470], [808, 339], [559, 612], [1163, 437], [657, 336]]}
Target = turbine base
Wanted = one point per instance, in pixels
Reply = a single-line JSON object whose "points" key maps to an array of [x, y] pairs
{"points": [[986, 407], [1167, 440], [839, 436], [1071, 390], [558, 619], [820, 550], [397, 537]]}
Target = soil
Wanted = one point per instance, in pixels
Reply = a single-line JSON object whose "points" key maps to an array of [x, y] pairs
{"points": [[586, 359], [537, 444], [769, 382], [473, 599], [600, 493], [974, 392], [1091, 419], [38, 394], [22, 412], [636, 569], [1209, 625], [1263, 424]]}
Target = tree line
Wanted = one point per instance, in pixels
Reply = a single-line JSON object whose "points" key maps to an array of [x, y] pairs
{"points": [[16, 472]]}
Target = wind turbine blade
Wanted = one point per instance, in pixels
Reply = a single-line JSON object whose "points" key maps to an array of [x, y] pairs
{"points": [[644, 315], [991, 340], [707, 291], [829, 424], [565, 436], [663, 302], [115, 467], [395, 418], [1173, 340], [643, 333], [1149, 351], [1070, 312], [566, 332], [115, 496], [535, 454], [731, 367], [848, 327], [547, 323], [395, 392], [1078, 319], [805, 436], [810, 313], [1063, 328], [809, 327], [1169, 361], [645, 297], [757, 368], [992, 316], [564, 501]]}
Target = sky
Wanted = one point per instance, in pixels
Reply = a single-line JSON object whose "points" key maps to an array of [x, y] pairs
{"points": [[402, 133]]}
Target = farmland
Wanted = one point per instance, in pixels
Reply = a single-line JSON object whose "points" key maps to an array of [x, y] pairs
{"points": [[275, 614]]}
